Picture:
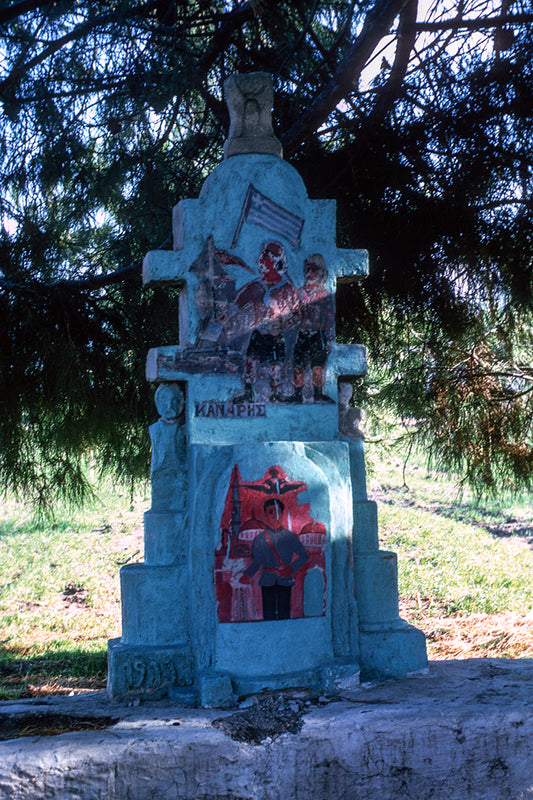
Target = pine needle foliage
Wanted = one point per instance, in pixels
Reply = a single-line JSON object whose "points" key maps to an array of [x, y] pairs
{"points": [[416, 119]]}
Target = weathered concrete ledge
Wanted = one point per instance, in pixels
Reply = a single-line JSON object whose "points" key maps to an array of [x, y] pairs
{"points": [[462, 731]]}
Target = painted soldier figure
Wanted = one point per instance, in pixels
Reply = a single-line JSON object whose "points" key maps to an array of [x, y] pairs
{"points": [[316, 331], [268, 306], [278, 553]]}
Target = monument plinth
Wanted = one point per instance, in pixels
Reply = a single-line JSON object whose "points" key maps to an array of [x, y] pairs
{"points": [[262, 565]]}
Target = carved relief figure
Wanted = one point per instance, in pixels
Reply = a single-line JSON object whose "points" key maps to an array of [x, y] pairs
{"points": [[214, 296], [250, 98], [167, 471], [349, 417], [316, 331], [268, 332]]}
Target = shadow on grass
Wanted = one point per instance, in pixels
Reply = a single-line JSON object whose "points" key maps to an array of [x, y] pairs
{"points": [[487, 519], [59, 672], [13, 527]]}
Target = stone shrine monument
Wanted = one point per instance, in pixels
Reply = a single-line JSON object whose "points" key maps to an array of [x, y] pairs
{"points": [[262, 566]]}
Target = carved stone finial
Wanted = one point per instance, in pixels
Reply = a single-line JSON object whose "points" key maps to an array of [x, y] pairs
{"points": [[249, 98]]}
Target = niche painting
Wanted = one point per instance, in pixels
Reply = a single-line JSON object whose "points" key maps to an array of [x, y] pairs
{"points": [[270, 561]]}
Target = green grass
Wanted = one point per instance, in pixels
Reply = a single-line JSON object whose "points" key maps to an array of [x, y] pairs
{"points": [[457, 553], [59, 589], [457, 566], [59, 579]]}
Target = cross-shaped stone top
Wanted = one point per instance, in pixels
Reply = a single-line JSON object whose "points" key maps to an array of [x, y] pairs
{"points": [[258, 265]]}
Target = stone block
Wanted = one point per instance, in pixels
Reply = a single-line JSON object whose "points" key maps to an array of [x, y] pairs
{"points": [[376, 587], [365, 529], [339, 676], [460, 731], [215, 689], [391, 653], [164, 537], [143, 672], [154, 604]]}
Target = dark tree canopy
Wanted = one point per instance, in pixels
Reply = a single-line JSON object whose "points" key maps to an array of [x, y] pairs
{"points": [[417, 118]]}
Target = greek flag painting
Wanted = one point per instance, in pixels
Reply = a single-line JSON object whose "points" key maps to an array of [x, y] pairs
{"points": [[260, 210]]}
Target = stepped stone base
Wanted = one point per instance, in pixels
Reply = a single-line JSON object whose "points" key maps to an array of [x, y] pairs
{"points": [[461, 731]]}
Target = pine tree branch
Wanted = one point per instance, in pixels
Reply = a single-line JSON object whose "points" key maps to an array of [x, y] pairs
{"points": [[306, 26], [377, 24], [76, 33], [46, 52], [473, 24], [329, 55], [100, 281], [230, 22], [18, 9], [85, 284], [406, 41]]}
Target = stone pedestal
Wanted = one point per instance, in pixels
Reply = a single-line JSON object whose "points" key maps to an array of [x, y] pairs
{"points": [[388, 646]]}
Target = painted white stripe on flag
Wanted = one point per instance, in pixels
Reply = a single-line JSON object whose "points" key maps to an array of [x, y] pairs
{"points": [[260, 210]]}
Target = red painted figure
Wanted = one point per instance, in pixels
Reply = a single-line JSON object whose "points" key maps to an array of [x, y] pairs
{"points": [[270, 304], [316, 331], [278, 553]]}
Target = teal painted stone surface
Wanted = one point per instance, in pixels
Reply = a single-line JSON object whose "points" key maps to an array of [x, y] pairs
{"points": [[215, 689], [313, 592], [201, 232], [154, 604], [392, 651], [276, 646], [149, 672], [262, 564], [165, 537]]}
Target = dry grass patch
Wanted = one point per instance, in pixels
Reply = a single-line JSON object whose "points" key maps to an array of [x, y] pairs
{"points": [[459, 636]]}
